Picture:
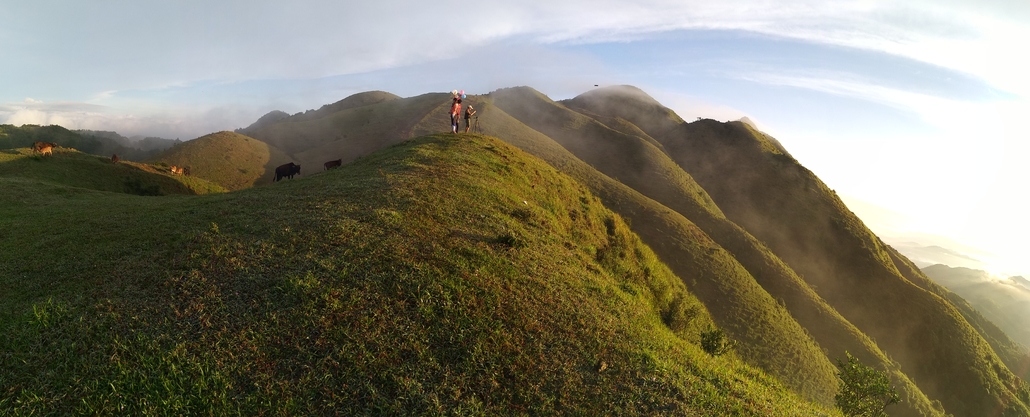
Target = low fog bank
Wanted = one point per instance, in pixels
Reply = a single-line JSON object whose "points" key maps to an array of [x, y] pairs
{"points": [[1004, 301]]}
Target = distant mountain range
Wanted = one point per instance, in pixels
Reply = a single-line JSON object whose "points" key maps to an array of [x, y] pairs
{"points": [[1005, 301], [89, 141], [749, 242]]}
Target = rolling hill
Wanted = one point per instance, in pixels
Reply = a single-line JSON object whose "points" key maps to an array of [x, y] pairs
{"points": [[91, 142], [743, 238], [432, 277], [71, 168], [622, 136], [770, 195], [229, 159]]}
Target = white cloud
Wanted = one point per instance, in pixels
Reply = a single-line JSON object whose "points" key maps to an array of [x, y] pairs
{"points": [[132, 45]]}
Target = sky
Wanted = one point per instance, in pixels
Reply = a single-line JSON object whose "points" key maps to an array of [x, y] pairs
{"points": [[910, 110]]}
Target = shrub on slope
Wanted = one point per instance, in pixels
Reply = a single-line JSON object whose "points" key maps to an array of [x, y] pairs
{"points": [[435, 277]]}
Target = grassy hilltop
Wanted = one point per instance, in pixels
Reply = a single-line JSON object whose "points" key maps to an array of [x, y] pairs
{"points": [[636, 155], [459, 274], [229, 159], [436, 276], [72, 168]]}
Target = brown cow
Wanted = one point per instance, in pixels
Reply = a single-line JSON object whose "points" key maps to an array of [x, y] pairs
{"points": [[286, 171], [333, 164], [176, 170], [114, 159], [45, 148]]}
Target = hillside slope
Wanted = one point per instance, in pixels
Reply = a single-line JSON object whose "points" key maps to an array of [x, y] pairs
{"points": [[764, 331], [741, 304], [72, 168], [229, 159], [348, 129], [1005, 302], [434, 277], [806, 225]]}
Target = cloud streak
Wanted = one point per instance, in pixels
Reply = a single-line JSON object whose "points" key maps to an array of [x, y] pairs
{"points": [[160, 44]]}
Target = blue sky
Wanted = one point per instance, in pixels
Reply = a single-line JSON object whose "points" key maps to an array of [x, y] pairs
{"points": [[911, 110]]}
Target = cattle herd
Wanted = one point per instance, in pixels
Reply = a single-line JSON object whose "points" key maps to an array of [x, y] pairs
{"points": [[177, 170], [288, 170]]}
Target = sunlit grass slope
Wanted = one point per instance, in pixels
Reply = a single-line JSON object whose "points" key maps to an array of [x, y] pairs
{"points": [[75, 169], [440, 276], [777, 200], [627, 105], [737, 300], [229, 159]]}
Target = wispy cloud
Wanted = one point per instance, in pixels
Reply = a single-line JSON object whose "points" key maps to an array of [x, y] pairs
{"points": [[141, 45]]}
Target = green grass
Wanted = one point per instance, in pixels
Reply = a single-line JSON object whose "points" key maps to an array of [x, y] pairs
{"points": [[75, 169], [351, 128], [769, 336], [229, 159], [440, 276], [780, 202], [835, 335]]}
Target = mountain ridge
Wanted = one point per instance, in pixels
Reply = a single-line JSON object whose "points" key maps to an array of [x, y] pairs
{"points": [[771, 252], [433, 276]]}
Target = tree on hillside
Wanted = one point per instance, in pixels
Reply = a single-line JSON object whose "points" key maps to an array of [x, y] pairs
{"points": [[864, 391]]}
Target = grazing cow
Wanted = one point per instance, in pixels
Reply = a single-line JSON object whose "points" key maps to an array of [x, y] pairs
{"points": [[286, 171], [176, 170], [333, 164], [114, 159], [185, 171], [45, 148]]}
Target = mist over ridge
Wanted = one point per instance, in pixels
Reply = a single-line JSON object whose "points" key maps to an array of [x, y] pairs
{"points": [[788, 271]]}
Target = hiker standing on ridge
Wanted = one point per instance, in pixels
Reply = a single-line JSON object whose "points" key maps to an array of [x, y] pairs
{"points": [[455, 114], [469, 112]]}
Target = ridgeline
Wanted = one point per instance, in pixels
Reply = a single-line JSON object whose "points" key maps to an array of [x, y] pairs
{"points": [[567, 260]]}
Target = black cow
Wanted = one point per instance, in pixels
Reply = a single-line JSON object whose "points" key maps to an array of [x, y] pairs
{"points": [[286, 171], [333, 164]]}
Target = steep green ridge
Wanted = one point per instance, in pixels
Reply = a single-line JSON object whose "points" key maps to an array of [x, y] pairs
{"points": [[767, 334], [835, 334], [349, 132], [72, 168], [229, 159], [666, 226], [439, 276], [647, 170], [777, 200]]}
